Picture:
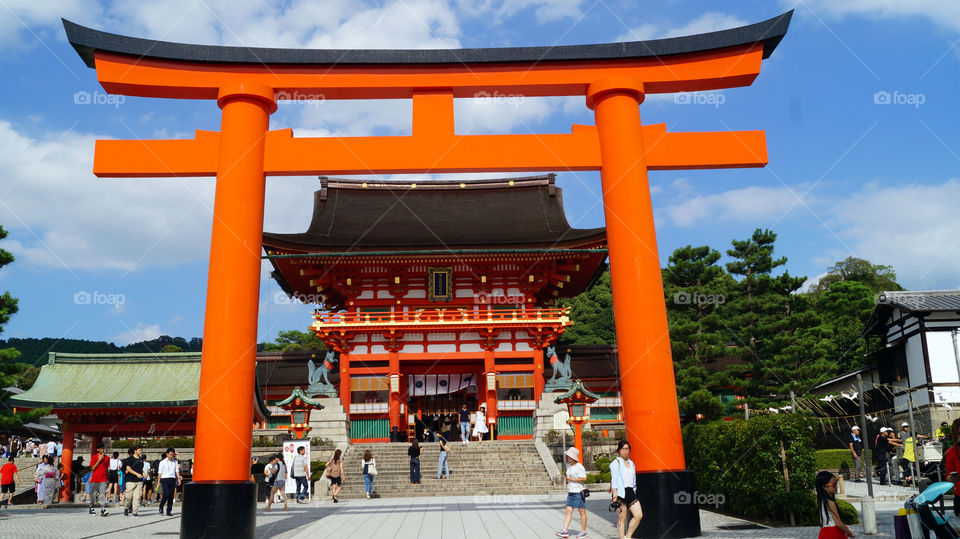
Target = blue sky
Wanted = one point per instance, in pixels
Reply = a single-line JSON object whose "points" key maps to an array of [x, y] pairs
{"points": [[848, 176]]}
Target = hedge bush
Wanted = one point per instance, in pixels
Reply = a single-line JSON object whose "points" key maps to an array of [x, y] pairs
{"points": [[740, 460], [834, 459]]}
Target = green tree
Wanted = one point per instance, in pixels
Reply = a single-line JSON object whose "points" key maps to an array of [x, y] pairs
{"points": [[592, 315], [772, 326], [295, 341], [844, 308], [169, 348], [876, 277], [11, 372], [695, 289]]}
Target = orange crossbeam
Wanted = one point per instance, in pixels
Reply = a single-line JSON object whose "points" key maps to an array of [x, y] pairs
{"points": [[289, 156]]}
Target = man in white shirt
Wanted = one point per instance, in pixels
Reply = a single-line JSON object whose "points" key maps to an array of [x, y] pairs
{"points": [[169, 474], [300, 470], [51, 450], [576, 478]]}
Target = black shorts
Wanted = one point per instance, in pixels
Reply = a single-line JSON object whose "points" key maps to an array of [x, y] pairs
{"points": [[113, 477], [336, 481], [629, 497], [8, 487]]}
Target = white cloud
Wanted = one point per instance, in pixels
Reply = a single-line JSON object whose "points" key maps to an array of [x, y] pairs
{"points": [[141, 332], [943, 14], [746, 205], [59, 215], [544, 10], [910, 226], [708, 22]]}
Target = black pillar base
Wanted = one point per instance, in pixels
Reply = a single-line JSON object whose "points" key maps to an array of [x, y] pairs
{"points": [[669, 508], [219, 509]]}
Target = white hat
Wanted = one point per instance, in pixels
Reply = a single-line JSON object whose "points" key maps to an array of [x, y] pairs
{"points": [[854, 428], [884, 429], [573, 453], [905, 424]]}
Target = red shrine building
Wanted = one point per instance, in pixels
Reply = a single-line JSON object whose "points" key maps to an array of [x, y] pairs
{"points": [[438, 294]]}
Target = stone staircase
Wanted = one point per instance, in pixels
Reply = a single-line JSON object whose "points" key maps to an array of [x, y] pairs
{"points": [[491, 468]]}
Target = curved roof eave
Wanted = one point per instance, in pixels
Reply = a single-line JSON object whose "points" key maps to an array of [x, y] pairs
{"points": [[86, 41]]}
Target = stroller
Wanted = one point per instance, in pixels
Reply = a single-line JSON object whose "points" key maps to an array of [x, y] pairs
{"points": [[932, 518]]}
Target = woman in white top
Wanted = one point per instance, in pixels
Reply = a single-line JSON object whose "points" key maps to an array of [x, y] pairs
{"points": [[480, 428], [623, 488], [368, 467], [831, 526]]}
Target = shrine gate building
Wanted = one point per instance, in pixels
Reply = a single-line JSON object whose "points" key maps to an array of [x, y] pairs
{"points": [[437, 294]]}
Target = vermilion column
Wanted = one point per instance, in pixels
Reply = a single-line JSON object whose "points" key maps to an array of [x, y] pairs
{"points": [[646, 368], [490, 365], [395, 396], [66, 458], [227, 371]]}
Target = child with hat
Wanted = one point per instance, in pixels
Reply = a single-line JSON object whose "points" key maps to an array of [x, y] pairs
{"points": [[576, 499]]}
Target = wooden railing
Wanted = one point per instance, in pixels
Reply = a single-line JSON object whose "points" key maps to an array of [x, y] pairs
{"points": [[451, 316]]}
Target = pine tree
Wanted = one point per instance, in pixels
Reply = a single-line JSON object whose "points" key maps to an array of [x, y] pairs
{"points": [[11, 372], [695, 289], [592, 315]]}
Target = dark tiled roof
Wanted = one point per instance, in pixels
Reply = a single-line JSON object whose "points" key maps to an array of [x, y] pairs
{"points": [[922, 300], [356, 215]]}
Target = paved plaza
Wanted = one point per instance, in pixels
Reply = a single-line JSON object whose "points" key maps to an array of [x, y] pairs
{"points": [[478, 517]]}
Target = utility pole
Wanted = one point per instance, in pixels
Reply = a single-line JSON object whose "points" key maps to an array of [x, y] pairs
{"points": [[867, 506]]}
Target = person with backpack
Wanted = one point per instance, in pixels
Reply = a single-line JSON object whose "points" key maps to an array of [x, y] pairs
{"points": [[576, 498], [277, 471], [369, 467], [623, 488]]}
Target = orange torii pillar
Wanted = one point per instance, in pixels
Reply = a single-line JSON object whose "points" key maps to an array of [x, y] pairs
{"points": [[221, 482], [643, 349]]}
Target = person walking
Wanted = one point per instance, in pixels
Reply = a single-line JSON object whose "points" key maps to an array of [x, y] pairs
{"points": [[147, 489], [133, 481], [414, 453], [464, 425], [623, 488], [99, 468], [52, 452], [301, 474], [113, 477], [8, 481], [278, 480], [856, 450], [576, 478], [831, 525], [334, 472], [49, 481], [442, 460], [480, 427], [369, 467], [169, 473]]}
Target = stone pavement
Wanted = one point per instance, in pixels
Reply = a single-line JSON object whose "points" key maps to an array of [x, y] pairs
{"points": [[434, 518]]}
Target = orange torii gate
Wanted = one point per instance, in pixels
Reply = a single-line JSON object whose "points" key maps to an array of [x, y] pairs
{"points": [[246, 83]]}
